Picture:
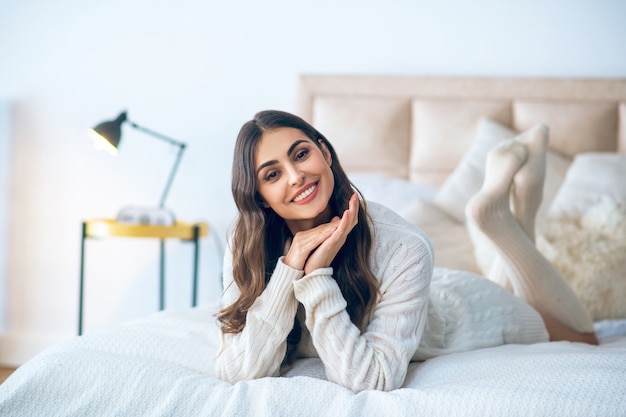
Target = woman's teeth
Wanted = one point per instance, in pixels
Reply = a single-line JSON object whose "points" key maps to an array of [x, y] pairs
{"points": [[305, 194]]}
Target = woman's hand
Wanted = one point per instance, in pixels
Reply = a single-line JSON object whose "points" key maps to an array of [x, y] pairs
{"points": [[307, 241], [328, 249], [316, 248]]}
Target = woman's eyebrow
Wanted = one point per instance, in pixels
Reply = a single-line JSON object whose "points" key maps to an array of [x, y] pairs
{"points": [[273, 161], [293, 145]]}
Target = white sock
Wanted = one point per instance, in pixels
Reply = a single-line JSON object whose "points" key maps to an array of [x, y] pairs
{"points": [[528, 182], [499, 274], [531, 275], [526, 194]]}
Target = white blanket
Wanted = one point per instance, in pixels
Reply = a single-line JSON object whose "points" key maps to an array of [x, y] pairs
{"points": [[163, 366]]}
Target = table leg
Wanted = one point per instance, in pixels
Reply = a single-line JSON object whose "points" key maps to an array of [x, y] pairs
{"points": [[196, 241], [162, 276], [82, 279]]}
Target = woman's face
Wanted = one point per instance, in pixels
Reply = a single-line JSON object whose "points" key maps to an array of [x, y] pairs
{"points": [[294, 177]]}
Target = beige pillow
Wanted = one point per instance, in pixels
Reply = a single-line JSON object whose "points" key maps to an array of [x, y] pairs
{"points": [[467, 178], [453, 248]]}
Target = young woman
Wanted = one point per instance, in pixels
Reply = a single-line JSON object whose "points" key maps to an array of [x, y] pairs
{"points": [[313, 270]]}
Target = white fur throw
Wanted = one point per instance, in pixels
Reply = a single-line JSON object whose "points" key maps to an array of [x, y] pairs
{"points": [[590, 252]]}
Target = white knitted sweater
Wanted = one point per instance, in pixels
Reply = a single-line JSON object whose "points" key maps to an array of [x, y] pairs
{"points": [[414, 318]]}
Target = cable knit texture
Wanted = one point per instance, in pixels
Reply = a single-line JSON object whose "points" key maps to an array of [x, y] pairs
{"points": [[461, 311]]}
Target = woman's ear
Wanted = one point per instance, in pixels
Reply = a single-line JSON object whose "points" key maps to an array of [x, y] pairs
{"points": [[325, 152]]}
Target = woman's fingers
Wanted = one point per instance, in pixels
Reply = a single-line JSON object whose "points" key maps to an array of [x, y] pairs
{"points": [[327, 250], [307, 241], [317, 247], [350, 217]]}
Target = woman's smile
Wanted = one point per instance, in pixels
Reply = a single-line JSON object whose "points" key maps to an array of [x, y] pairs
{"points": [[309, 193]]}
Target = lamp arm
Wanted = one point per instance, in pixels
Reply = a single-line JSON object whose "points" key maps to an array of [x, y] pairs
{"points": [[181, 149], [156, 134]]}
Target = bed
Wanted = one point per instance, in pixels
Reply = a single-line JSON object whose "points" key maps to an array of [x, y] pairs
{"points": [[417, 145]]}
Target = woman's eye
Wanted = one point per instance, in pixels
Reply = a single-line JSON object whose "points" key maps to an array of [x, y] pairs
{"points": [[301, 154], [271, 175]]}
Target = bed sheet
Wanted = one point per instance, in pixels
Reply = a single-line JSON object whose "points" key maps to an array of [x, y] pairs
{"points": [[163, 365]]}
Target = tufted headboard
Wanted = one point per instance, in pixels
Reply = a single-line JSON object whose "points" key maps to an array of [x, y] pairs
{"points": [[419, 127]]}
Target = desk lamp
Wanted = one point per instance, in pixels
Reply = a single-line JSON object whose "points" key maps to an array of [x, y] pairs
{"points": [[107, 136]]}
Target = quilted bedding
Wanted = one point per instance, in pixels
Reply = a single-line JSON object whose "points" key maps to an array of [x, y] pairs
{"points": [[163, 365]]}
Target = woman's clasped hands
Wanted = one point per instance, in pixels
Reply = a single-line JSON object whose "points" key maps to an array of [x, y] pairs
{"points": [[317, 247]]}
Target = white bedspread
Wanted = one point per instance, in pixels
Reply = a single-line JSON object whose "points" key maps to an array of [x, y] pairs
{"points": [[162, 366]]}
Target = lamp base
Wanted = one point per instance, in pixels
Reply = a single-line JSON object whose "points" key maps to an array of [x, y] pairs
{"points": [[146, 215]]}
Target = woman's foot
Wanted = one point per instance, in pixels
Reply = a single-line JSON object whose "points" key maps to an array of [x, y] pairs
{"points": [[532, 277], [491, 205], [528, 181]]}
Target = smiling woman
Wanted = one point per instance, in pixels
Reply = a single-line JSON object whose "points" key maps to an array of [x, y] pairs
{"points": [[315, 271], [297, 213]]}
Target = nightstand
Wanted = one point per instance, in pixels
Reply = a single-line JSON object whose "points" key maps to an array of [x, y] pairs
{"points": [[105, 228]]}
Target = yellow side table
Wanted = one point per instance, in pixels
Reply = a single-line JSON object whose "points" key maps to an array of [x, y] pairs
{"points": [[103, 228]]}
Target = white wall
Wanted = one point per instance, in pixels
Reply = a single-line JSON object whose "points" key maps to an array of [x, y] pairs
{"points": [[5, 146], [196, 70]]}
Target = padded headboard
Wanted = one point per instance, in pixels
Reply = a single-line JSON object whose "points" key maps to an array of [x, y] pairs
{"points": [[419, 127]]}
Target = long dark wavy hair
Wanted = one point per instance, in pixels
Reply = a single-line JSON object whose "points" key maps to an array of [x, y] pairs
{"points": [[259, 234]]}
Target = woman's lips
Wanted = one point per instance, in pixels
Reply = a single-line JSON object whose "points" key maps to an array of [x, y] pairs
{"points": [[306, 195]]}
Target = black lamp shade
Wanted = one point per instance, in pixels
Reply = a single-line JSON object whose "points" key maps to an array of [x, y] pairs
{"points": [[111, 130]]}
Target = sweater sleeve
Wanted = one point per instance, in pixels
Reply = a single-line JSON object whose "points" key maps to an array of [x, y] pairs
{"points": [[258, 350], [378, 357]]}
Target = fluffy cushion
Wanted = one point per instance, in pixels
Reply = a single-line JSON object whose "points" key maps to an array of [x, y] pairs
{"points": [[467, 178], [590, 253]]}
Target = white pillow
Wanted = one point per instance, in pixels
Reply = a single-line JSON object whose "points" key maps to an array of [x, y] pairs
{"points": [[467, 178], [592, 178], [394, 193]]}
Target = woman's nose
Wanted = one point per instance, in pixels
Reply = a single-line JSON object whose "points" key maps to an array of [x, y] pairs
{"points": [[295, 176]]}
